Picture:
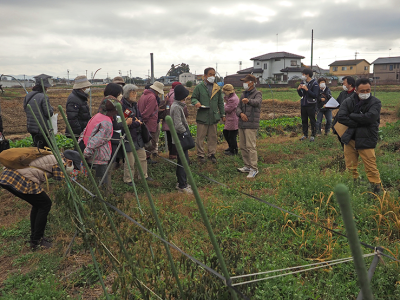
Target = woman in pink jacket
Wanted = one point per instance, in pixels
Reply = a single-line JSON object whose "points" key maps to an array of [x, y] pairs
{"points": [[231, 122]]}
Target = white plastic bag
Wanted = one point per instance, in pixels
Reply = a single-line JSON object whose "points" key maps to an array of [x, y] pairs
{"points": [[54, 124]]}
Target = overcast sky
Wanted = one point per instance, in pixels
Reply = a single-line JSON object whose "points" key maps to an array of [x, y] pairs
{"points": [[53, 36]]}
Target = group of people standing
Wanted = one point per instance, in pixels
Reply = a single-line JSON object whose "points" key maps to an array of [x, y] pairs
{"points": [[356, 122]]}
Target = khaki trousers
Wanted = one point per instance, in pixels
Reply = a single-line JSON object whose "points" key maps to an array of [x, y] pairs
{"points": [[143, 162], [209, 131], [248, 141], [157, 137], [368, 157]]}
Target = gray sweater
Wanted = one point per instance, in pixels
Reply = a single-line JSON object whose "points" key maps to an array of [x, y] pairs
{"points": [[40, 109], [252, 109], [178, 116]]}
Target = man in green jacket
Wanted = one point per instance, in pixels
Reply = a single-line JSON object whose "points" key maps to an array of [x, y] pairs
{"points": [[207, 97]]}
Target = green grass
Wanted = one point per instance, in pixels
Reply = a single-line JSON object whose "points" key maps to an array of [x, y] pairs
{"points": [[297, 176]]}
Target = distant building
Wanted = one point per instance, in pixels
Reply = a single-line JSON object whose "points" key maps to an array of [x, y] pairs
{"points": [[387, 68], [185, 77], [353, 67], [167, 80]]}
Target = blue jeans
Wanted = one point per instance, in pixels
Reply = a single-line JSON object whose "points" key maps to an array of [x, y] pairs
{"points": [[328, 117]]}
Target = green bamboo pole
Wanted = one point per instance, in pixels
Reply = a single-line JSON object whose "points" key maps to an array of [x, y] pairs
{"points": [[202, 210], [153, 207], [131, 175], [57, 155], [99, 195], [343, 197]]}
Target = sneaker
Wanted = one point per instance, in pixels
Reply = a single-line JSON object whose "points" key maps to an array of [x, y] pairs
{"points": [[213, 158], [303, 138], [155, 154], [327, 133], [129, 183], [149, 178], [252, 173], [45, 243], [150, 161], [202, 160], [186, 190], [377, 188], [312, 139], [244, 170], [177, 186], [229, 153]]}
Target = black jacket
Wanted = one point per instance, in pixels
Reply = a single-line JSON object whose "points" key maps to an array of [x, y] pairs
{"points": [[78, 113], [134, 128], [344, 95], [39, 109], [309, 98], [363, 118], [323, 94]]}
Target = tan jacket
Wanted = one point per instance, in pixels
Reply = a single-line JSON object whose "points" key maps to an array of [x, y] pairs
{"points": [[37, 168]]}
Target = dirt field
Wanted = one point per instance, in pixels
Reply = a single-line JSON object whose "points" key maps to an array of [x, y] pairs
{"points": [[14, 118]]}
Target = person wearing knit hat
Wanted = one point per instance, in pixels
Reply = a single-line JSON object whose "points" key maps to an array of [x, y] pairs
{"points": [[169, 99], [77, 108], [119, 80], [231, 120], [181, 126]]}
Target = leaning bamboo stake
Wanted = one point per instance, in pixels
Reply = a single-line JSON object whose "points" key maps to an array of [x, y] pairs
{"points": [[150, 198], [343, 197], [199, 202], [99, 195], [57, 155]]}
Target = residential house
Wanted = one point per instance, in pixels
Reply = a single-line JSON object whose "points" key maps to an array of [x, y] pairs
{"points": [[276, 66], [353, 67], [387, 68], [185, 77]]}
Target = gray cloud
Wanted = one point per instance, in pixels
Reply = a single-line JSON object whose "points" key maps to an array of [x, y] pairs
{"points": [[53, 36]]}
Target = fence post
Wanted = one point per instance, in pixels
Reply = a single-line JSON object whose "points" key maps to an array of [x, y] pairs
{"points": [[371, 270], [343, 197], [202, 209]]}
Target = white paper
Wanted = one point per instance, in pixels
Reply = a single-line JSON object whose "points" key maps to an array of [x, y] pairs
{"points": [[53, 119], [332, 103]]}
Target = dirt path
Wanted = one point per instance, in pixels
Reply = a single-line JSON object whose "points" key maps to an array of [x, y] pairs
{"points": [[14, 117]]}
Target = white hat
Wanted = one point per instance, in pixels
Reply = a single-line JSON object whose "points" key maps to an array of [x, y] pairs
{"points": [[158, 86], [81, 82]]}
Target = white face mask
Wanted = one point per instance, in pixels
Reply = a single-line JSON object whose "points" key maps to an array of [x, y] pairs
{"points": [[119, 98], [245, 86], [87, 91], [211, 79], [345, 88], [303, 77], [322, 85], [69, 169], [364, 96]]}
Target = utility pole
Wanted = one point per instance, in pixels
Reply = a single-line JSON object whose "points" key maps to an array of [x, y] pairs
{"points": [[355, 54], [130, 75], [389, 51], [277, 42], [24, 82], [312, 46], [216, 67], [68, 75], [240, 65], [152, 67], [86, 73]]}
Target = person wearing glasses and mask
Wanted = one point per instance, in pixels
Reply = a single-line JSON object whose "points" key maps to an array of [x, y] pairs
{"points": [[361, 114], [207, 97]]}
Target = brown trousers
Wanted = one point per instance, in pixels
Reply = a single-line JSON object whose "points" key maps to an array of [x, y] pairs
{"points": [[248, 142], [368, 157], [209, 131], [143, 162]]}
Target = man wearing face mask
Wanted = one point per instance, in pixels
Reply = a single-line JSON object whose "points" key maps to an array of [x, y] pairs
{"points": [[361, 114], [207, 97], [248, 111], [78, 112], [323, 97], [348, 91], [309, 92]]}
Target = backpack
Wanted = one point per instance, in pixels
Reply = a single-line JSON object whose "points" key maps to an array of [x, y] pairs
{"points": [[20, 158]]}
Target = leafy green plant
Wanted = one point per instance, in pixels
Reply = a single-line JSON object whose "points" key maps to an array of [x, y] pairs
{"points": [[62, 141]]}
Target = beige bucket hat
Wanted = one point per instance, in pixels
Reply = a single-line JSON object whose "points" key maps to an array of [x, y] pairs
{"points": [[158, 86], [119, 80], [228, 88], [81, 82]]}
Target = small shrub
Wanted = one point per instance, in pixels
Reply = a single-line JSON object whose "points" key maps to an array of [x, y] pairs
{"points": [[189, 84]]}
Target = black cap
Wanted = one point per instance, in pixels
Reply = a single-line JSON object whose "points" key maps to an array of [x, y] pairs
{"points": [[74, 156], [180, 92]]}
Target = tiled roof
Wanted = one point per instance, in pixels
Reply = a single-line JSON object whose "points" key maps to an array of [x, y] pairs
{"points": [[277, 55], [387, 60], [350, 62]]}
